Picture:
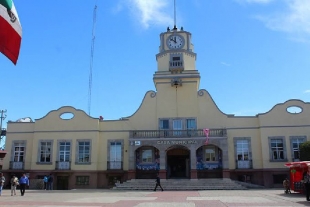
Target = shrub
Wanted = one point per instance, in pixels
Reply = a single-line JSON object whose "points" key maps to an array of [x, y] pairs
{"points": [[305, 151]]}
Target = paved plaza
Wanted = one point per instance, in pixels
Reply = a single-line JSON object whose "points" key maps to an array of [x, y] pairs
{"points": [[113, 198]]}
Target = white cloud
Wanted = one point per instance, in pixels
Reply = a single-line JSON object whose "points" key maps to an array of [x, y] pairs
{"points": [[255, 1], [307, 91], [148, 12], [225, 64], [295, 20]]}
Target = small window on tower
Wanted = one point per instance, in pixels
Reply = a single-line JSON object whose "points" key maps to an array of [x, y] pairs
{"points": [[176, 58]]}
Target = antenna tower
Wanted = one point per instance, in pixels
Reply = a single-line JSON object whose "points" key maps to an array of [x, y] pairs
{"points": [[175, 16], [91, 59]]}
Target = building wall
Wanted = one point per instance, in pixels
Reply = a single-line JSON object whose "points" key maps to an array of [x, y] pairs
{"points": [[184, 100]]}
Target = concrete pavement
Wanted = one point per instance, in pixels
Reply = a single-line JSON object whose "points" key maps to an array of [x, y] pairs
{"points": [[113, 198]]}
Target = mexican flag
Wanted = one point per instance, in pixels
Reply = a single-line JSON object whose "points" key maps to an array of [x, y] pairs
{"points": [[10, 30]]}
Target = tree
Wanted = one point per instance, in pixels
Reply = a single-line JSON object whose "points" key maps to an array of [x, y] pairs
{"points": [[305, 151]]}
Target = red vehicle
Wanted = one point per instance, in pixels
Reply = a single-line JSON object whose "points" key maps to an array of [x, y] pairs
{"points": [[297, 172]]}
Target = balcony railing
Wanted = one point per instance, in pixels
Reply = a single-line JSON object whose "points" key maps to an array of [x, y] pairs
{"points": [[115, 165], [176, 133], [176, 65], [63, 165], [244, 164], [16, 165]]}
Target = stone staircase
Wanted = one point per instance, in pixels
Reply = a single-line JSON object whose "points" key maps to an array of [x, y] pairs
{"points": [[181, 184]]}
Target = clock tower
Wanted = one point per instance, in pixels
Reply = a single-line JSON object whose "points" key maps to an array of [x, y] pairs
{"points": [[176, 60]]}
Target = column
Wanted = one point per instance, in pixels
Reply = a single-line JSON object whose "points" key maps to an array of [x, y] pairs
{"points": [[193, 166], [162, 171]]}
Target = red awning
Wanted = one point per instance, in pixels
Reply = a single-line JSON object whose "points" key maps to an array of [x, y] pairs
{"points": [[298, 164]]}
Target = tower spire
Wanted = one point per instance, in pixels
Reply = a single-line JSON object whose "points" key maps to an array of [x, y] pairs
{"points": [[175, 16]]}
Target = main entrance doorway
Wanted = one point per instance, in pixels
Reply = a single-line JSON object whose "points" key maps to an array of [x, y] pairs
{"points": [[178, 163]]}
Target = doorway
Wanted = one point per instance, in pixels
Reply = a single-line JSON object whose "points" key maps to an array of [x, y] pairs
{"points": [[62, 182], [178, 163]]}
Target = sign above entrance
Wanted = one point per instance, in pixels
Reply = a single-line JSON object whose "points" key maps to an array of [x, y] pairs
{"points": [[177, 142]]}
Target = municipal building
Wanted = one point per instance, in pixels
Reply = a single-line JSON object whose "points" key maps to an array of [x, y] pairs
{"points": [[165, 135]]}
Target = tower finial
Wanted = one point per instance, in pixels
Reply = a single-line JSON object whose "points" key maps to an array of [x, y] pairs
{"points": [[175, 18]]}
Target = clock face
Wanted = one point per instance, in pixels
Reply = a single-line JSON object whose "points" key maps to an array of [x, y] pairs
{"points": [[175, 42]]}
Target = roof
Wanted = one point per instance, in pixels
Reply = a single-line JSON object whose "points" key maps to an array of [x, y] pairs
{"points": [[297, 164]]}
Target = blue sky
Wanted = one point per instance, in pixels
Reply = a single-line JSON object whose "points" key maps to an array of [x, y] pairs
{"points": [[251, 54]]}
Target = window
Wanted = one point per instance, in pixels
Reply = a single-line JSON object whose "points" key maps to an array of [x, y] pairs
{"points": [[64, 151], [164, 124], [277, 149], [82, 180], [210, 154], [147, 155], [115, 151], [295, 143], [191, 127], [45, 151], [242, 149], [19, 152], [177, 127], [83, 151], [115, 155], [191, 123]]}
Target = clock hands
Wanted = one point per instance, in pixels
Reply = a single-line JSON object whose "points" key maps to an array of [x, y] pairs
{"points": [[173, 39]]}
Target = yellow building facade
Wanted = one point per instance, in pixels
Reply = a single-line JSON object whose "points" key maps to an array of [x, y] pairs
{"points": [[166, 135]]}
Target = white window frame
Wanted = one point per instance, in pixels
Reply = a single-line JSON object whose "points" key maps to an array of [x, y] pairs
{"points": [[242, 149], [115, 160], [299, 140], [40, 151], [20, 158], [209, 154], [84, 154], [279, 140], [177, 126], [148, 151], [65, 152]]}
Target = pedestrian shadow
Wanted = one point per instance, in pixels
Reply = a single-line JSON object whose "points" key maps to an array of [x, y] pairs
{"points": [[304, 203]]}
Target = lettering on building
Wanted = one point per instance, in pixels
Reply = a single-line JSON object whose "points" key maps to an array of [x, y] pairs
{"points": [[177, 142]]}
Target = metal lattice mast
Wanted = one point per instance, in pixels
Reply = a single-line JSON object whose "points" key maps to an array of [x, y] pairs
{"points": [[2, 131], [90, 81]]}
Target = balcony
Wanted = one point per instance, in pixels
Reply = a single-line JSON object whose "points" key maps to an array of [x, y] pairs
{"points": [[63, 165], [115, 165], [176, 66], [244, 164], [16, 165], [176, 133]]}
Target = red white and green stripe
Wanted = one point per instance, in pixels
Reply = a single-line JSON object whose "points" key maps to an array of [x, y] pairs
{"points": [[10, 30]]}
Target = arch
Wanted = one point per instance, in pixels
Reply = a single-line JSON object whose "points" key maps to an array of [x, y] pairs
{"points": [[178, 162], [147, 162], [209, 161]]}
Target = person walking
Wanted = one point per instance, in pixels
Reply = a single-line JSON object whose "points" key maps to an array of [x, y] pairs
{"points": [[307, 183], [158, 183], [50, 181], [14, 184], [23, 182], [2, 181], [45, 179]]}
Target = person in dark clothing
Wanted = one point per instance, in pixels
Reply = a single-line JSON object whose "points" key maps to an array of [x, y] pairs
{"points": [[50, 181], [23, 181], [307, 183], [158, 183]]}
